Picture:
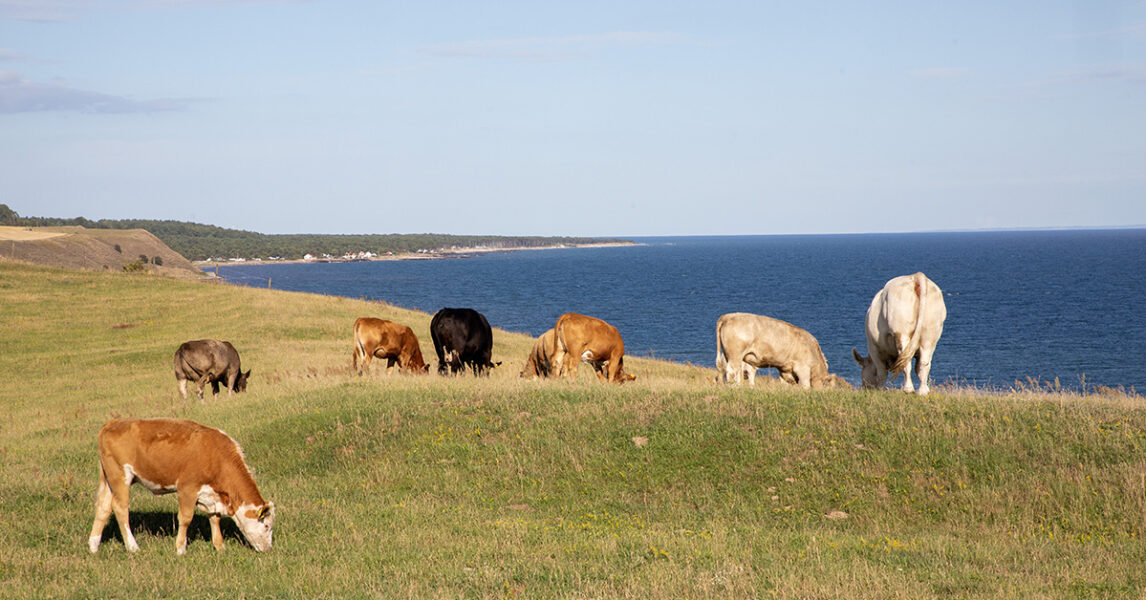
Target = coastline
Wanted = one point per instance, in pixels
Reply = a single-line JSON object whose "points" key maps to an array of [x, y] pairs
{"points": [[432, 255]]}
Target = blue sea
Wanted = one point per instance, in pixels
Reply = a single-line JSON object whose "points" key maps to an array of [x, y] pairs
{"points": [[1021, 305]]}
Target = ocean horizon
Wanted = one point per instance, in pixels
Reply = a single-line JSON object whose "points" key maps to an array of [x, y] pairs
{"points": [[1023, 305]]}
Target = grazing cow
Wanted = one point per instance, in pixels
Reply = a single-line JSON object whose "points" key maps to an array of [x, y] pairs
{"points": [[209, 361], [203, 465], [746, 342], [904, 322], [387, 339], [545, 358], [462, 336], [593, 341]]}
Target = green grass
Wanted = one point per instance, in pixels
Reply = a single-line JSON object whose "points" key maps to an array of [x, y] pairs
{"points": [[432, 487]]}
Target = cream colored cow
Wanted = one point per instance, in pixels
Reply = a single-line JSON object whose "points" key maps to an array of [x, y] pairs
{"points": [[746, 342], [904, 322]]}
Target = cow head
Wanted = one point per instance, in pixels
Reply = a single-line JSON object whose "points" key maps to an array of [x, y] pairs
{"points": [[257, 523], [241, 381], [871, 375], [622, 376], [830, 381], [417, 366]]}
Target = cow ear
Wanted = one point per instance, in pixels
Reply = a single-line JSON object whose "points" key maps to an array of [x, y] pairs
{"points": [[248, 374], [266, 509], [856, 355]]}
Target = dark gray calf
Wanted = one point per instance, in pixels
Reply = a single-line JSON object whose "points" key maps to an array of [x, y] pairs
{"points": [[209, 361]]}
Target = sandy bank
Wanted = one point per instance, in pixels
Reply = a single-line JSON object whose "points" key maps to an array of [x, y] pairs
{"points": [[436, 255]]}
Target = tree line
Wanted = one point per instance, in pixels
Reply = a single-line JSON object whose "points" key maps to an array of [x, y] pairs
{"points": [[196, 241]]}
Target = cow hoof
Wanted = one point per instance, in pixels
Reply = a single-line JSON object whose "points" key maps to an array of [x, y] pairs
{"points": [[93, 544]]}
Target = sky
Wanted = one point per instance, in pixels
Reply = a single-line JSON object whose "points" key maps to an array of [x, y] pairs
{"points": [[587, 118]]}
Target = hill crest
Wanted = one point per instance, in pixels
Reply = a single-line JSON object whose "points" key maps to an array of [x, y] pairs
{"points": [[75, 247]]}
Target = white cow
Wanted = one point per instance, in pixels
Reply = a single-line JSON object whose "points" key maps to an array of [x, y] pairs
{"points": [[746, 342], [904, 322]]}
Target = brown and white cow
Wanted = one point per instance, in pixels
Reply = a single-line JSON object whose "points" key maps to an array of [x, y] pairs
{"points": [[203, 465], [593, 341], [389, 340], [746, 342], [209, 361], [904, 321], [545, 358]]}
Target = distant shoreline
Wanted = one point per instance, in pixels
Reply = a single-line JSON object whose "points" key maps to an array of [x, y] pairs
{"points": [[435, 255]]}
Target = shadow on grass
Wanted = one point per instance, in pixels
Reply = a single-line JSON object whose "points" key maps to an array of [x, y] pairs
{"points": [[163, 524]]}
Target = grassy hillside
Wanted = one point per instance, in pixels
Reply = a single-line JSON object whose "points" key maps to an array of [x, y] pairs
{"points": [[434, 487], [94, 249]]}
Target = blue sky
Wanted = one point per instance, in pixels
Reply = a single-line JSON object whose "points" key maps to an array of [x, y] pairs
{"points": [[576, 118]]}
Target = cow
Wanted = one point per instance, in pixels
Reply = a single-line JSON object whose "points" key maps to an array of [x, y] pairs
{"points": [[904, 321], [202, 465], [746, 342], [545, 358], [462, 336], [593, 341], [386, 339], [209, 361]]}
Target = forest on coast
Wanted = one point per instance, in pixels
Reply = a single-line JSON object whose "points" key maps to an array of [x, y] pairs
{"points": [[197, 241]]}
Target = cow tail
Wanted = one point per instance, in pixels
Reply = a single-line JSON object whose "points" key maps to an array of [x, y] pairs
{"points": [[559, 345], [358, 349], [903, 361], [721, 359]]}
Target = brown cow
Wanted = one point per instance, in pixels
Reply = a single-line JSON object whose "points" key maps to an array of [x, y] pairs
{"points": [[746, 342], [386, 339], [203, 465], [592, 341], [545, 359], [209, 361]]}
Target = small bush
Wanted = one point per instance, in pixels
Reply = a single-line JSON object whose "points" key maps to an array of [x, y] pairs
{"points": [[135, 266]]}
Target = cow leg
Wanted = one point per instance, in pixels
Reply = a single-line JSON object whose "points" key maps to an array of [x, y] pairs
{"points": [[188, 496], [734, 370], [103, 505], [390, 362], [908, 385], [214, 387], [750, 371], [803, 376], [216, 532], [120, 492], [568, 366], [923, 369], [183, 388]]}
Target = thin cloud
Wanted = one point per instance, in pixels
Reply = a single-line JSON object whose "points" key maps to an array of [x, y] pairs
{"points": [[60, 11], [9, 54], [941, 73], [550, 48], [39, 11], [19, 95]]}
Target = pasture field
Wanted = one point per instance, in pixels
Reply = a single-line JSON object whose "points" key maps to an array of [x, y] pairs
{"points": [[432, 487]]}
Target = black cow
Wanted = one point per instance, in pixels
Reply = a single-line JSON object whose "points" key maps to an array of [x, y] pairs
{"points": [[209, 361], [462, 337]]}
